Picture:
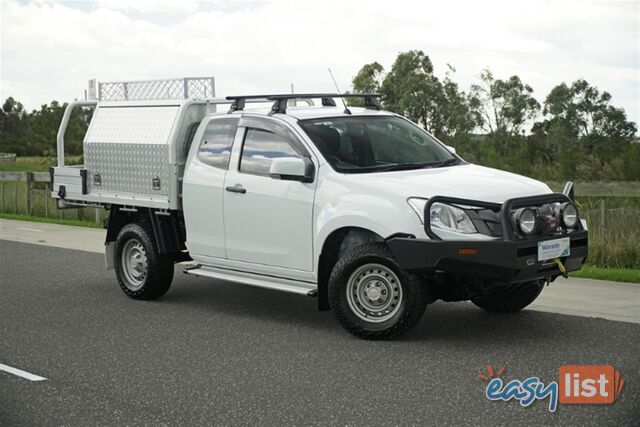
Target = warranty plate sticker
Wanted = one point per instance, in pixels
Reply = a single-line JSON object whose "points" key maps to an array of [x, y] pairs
{"points": [[557, 248]]}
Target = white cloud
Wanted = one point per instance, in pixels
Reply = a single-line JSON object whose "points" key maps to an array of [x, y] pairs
{"points": [[50, 49], [183, 7]]}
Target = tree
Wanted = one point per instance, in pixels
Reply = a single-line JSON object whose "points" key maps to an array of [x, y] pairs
{"points": [[368, 79], [44, 124], [504, 107], [411, 88], [456, 115], [14, 128], [585, 112], [34, 134]]}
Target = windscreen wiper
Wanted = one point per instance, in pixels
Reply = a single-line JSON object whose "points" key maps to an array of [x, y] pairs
{"points": [[449, 162], [404, 166], [417, 165]]}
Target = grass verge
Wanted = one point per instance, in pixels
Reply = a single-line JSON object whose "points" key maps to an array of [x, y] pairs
{"points": [[76, 222], [613, 274]]}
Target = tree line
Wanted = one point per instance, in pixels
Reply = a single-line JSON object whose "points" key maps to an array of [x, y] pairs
{"points": [[34, 133], [575, 133]]}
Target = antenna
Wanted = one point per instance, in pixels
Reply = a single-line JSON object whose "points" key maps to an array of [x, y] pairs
{"points": [[346, 109]]}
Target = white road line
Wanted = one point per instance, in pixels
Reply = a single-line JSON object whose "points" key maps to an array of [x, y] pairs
{"points": [[21, 373], [30, 229]]}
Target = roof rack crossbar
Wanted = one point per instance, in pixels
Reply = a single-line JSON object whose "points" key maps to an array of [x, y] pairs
{"points": [[238, 102], [371, 100]]}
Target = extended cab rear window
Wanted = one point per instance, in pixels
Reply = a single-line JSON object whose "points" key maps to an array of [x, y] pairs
{"points": [[216, 142]]}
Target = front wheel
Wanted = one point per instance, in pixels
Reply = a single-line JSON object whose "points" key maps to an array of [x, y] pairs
{"points": [[372, 297], [142, 272], [512, 301]]}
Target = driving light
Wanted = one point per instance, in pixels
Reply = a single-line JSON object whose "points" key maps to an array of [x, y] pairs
{"points": [[525, 221], [450, 218], [568, 215], [418, 204]]}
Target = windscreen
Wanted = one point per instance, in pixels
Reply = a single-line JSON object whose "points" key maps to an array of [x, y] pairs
{"points": [[359, 144]]}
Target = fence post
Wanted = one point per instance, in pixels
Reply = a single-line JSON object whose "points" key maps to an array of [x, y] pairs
{"points": [[97, 216], [46, 201], [602, 219], [2, 190], [29, 178], [15, 198]]}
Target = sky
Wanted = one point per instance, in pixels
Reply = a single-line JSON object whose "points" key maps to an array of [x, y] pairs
{"points": [[50, 49]]}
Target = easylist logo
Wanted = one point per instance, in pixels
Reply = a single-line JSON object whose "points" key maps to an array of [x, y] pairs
{"points": [[576, 385]]}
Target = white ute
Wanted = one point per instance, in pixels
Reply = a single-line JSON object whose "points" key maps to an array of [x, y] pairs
{"points": [[356, 206]]}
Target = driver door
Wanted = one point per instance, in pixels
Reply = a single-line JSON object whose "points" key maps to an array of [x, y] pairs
{"points": [[268, 221]]}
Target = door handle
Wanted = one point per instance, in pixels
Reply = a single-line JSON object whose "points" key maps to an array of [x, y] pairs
{"points": [[238, 188]]}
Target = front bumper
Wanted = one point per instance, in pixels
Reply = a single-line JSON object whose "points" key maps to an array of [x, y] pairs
{"points": [[496, 260], [506, 260]]}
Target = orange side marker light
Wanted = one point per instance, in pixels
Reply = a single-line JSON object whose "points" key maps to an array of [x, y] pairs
{"points": [[467, 251]]}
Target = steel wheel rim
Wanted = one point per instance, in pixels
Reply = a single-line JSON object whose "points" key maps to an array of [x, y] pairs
{"points": [[134, 264], [374, 293]]}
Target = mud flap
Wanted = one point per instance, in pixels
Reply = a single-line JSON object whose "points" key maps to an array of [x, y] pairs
{"points": [[109, 255]]}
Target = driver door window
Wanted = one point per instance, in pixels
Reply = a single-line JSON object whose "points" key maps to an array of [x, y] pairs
{"points": [[260, 148]]}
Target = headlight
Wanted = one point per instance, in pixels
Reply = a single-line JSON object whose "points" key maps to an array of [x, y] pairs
{"points": [[451, 218], [525, 221], [568, 213], [418, 205]]}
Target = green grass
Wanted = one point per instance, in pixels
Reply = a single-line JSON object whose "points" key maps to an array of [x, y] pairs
{"points": [[613, 274], [76, 222], [36, 164]]}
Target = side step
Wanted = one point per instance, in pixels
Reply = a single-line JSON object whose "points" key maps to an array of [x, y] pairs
{"points": [[241, 277]]}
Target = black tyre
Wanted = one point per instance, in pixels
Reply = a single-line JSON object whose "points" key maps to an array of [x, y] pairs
{"points": [[510, 302], [142, 273], [372, 297]]}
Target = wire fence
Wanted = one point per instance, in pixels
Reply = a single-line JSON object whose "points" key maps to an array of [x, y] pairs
{"points": [[614, 236]]}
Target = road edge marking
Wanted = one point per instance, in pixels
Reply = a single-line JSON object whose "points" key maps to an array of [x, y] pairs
{"points": [[21, 373]]}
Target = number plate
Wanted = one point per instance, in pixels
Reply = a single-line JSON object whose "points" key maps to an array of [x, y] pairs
{"points": [[556, 248]]}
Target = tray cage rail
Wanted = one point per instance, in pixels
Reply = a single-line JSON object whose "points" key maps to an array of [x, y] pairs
{"points": [[147, 90]]}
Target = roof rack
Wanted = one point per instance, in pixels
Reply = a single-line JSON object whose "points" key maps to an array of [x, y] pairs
{"points": [[238, 102], [281, 100], [181, 88]]}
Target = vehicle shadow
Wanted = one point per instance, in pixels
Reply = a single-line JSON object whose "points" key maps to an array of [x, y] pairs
{"points": [[461, 321]]}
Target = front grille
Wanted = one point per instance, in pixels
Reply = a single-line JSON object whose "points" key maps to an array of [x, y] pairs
{"points": [[488, 222]]}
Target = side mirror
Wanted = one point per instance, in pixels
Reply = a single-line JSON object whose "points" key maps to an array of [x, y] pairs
{"points": [[451, 149], [292, 169]]}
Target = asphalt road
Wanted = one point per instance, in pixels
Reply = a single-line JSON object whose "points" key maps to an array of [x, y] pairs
{"points": [[212, 352]]}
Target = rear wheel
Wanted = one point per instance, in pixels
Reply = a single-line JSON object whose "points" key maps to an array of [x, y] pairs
{"points": [[372, 297], [510, 302], [142, 272]]}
